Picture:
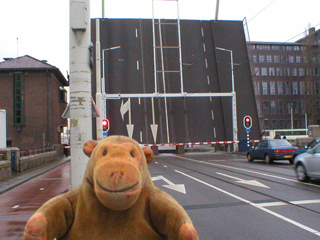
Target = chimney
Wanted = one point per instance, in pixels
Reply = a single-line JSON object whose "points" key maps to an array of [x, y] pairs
{"points": [[311, 31]]}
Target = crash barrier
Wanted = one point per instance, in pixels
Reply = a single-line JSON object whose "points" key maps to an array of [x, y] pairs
{"points": [[14, 160], [227, 146]]}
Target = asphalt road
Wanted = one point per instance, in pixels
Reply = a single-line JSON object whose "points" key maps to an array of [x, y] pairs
{"points": [[225, 196], [229, 198]]}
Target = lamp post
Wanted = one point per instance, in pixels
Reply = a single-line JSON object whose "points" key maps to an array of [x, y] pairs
{"points": [[101, 90], [234, 100]]}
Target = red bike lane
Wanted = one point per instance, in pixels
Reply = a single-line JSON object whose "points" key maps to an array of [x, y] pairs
{"points": [[18, 204]]}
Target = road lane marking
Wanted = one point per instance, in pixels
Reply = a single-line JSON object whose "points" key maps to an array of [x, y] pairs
{"points": [[246, 170], [176, 187], [304, 227], [275, 204], [249, 182]]}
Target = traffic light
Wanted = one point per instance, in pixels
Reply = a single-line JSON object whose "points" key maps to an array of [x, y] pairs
{"points": [[105, 125], [247, 122]]}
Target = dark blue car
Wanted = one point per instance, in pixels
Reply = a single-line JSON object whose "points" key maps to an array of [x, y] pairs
{"points": [[310, 145], [272, 149]]}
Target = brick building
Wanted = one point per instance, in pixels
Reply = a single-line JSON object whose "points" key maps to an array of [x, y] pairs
{"points": [[287, 81], [33, 95]]}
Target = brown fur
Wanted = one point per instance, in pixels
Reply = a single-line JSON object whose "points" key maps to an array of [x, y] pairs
{"points": [[117, 200]]}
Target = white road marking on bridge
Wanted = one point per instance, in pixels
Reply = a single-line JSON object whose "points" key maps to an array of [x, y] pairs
{"points": [[176, 187], [275, 204], [248, 182], [304, 227]]}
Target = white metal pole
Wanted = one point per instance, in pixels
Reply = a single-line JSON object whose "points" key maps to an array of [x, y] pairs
{"points": [[154, 51], [291, 115], [234, 107], [234, 101], [99, 100], [306, 120], [80, 87]]}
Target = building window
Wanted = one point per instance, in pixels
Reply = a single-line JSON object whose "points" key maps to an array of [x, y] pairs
{"points": [[297, 123], [275, 47], [271, 71], [256, 72], [269, 58], [308, 71], [316, 88], [286, 71], [18, 99], [261, 58], [287, 88], [298, 59], [280, 88], [273, 107], [288, 107], [265, 107], [263, 71], [264, 88], [288, 48], [254, 58], [316, 72], [63, 95], [294, 88], [302, 88], [274, 124], [291, 59], [294, 72], [281, 124], [296, 107], [301, 72], [272, 88], [296, 48], [279, 72], [284, 58], [276, 58], [281, 107]]}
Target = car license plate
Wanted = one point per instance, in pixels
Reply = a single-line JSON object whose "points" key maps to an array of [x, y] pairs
{"points": [[287, 156]]}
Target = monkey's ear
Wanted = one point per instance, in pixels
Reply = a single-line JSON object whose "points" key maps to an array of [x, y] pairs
{"points": [[89, 146], [148, 153]]}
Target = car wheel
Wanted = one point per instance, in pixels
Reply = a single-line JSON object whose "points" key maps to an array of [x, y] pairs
{"points": [[268, 159], [301, 173], [249, 157]]}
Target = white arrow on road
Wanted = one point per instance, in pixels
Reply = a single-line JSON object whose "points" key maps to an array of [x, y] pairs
{"points": [[127, 108], [154, 126], [176, 187], [249, 182]]}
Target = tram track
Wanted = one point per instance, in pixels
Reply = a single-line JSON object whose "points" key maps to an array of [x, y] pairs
{"points": [[276, 199]]}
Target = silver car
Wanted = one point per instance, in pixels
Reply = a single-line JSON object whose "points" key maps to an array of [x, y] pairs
{"points": [[307, 165]]}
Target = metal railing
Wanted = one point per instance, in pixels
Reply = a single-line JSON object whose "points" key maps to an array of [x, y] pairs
{"points": [[24, 153]]}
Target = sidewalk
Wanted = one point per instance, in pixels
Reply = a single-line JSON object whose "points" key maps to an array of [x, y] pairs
{"points": [[18, 179]]}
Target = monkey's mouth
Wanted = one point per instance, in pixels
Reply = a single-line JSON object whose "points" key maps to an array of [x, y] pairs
{"points": [[117, 191]]}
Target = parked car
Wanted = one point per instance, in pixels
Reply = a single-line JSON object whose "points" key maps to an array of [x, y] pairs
{"points": [[307, 147], [307, 165], [272, 149]]}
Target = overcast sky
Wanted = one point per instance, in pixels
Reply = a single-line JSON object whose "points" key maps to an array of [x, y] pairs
{"points": [[42, 26]]}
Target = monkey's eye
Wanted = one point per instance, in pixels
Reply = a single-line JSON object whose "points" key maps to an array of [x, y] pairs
{"points": [[132, 154], [104, 152]]}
